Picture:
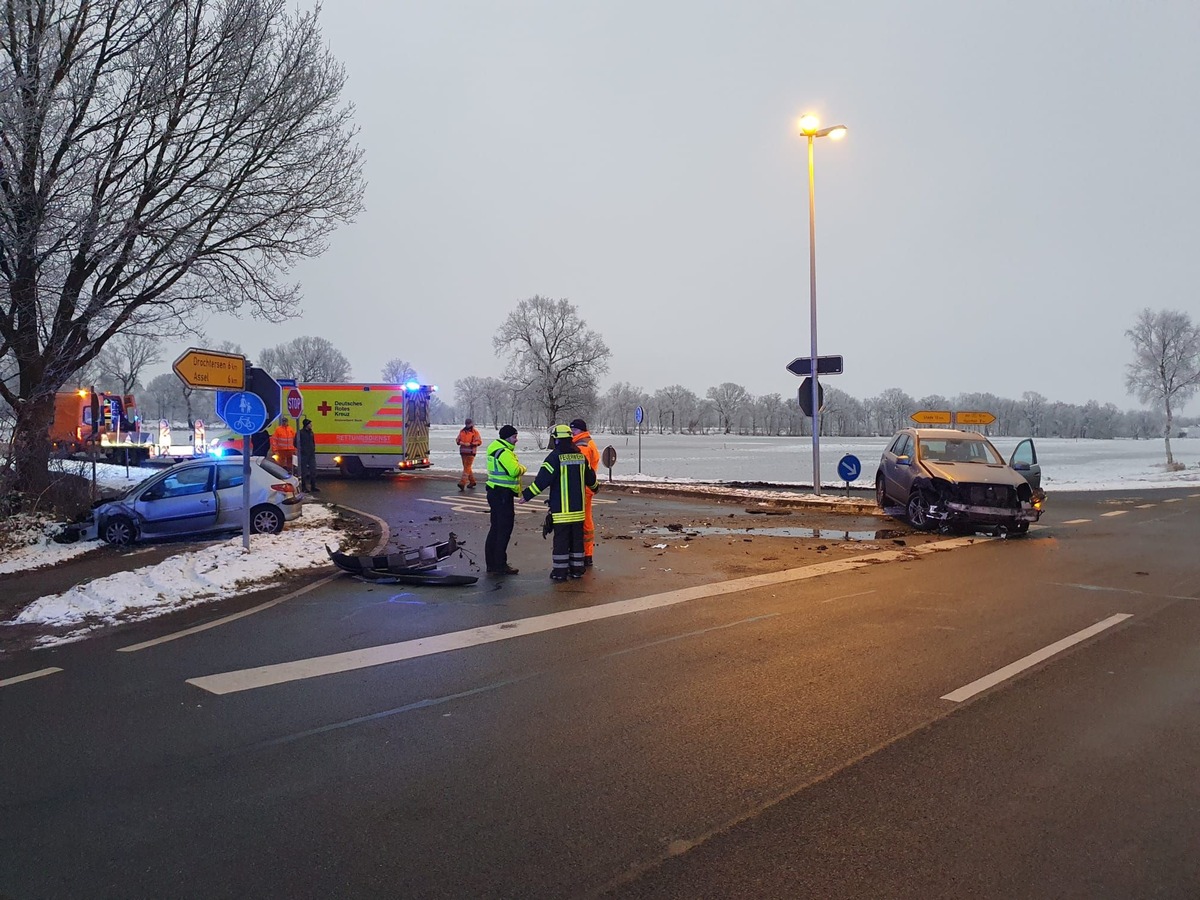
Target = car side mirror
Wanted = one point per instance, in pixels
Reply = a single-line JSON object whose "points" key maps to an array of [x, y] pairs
{"points": [[152, 495], [903, 460], [1021, 467]]}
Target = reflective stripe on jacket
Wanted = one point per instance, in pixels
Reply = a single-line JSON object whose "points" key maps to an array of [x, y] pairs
{"points": [[504, 470], [468, 440], [283, 439], [568, 478], [583, 441]]}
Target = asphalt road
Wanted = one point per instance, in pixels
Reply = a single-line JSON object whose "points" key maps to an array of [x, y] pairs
{"points": [[664, 728]]}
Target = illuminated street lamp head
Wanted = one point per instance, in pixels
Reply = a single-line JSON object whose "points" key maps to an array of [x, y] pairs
{"points": [[810, 127]]}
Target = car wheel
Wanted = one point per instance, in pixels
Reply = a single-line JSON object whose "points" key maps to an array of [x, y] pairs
{"points": [[266, 520], [880, 492], [119, 531], [918, 511]]}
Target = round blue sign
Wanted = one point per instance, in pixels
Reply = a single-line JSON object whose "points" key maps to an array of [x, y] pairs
{"points": [[637, 414], [849, 467], [245, 413]]}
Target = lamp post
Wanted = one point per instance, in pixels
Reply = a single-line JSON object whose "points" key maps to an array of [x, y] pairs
{"points": [[811, 129]]}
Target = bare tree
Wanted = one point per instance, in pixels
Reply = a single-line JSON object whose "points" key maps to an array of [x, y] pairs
{"points": [[552, 355], [469, 395], [126, 356], [157, 159], [729, 399], [398, 371], [306, 359], [1166, 363]]}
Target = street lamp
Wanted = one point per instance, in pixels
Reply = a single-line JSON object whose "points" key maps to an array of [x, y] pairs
{"points": [[811, 129]]}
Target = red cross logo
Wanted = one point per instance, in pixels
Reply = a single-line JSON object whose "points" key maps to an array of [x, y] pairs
{"points": [[324, 408]]}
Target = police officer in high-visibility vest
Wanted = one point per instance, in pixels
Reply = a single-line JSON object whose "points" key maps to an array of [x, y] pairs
{"points": [[582, 438], [567, 475], [504, 473]]}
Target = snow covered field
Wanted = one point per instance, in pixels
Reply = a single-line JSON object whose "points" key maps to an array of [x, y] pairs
{"points": [[1076, 465]]}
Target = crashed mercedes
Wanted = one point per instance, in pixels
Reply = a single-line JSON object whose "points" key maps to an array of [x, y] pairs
{"points": [[947, 479]]}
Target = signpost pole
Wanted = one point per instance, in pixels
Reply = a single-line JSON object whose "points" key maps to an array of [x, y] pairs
{"points": [[245, 485], [638, 415]]}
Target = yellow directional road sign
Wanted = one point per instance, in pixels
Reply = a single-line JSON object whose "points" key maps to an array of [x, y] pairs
{"points": [[931, 417], [211, 370], [974, 418]]}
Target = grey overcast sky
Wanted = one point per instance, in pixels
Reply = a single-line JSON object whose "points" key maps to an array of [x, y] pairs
{"points": [[1018, 181]]}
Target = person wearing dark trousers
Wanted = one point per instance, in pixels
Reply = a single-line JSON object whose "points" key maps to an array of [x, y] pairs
{"points": [[504, 473], [566, 474], [306, 444]]}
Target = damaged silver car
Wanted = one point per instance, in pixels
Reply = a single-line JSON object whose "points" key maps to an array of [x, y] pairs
{"points": [[947, 479]]}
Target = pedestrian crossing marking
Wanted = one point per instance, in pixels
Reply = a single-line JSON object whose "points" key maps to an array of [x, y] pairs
{"points": [[479, 506]]}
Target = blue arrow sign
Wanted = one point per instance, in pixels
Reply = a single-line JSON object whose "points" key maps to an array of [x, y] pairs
{"points": [[849, 467], [245, 413]]}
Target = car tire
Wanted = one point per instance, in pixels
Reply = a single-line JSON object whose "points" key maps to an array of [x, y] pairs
{"points": [[881, 498], [918, 511], [119, 531], [266, 519]]}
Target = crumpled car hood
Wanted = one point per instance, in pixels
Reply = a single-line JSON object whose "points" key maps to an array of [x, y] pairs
{"points": [[974, 473]]}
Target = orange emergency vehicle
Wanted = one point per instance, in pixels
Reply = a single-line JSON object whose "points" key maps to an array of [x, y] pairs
{"points": [[118, 429]]}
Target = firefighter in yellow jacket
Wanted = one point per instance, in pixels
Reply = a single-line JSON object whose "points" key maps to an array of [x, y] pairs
{"points": [[569, 478], [582, 439]]}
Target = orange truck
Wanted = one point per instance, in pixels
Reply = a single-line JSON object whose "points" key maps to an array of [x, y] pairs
{"points": [[117, 433]]}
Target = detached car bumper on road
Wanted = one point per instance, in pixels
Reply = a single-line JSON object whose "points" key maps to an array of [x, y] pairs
{"points": [[196, 497]]}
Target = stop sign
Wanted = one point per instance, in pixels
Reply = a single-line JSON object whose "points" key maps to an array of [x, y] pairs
{"points": [[295, 403]]}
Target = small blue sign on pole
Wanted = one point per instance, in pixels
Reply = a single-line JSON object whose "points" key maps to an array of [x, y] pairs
{"points": [[244, 413], [849, 468]]}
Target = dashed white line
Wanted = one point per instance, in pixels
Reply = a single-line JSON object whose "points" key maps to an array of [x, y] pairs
{"points": [[1147, 505], [987, 681], [1077, 521], [1115, 512], [29, 676], [1173, 500]]}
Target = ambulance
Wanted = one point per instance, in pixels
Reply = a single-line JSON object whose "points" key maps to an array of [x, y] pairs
{"points": [[364, 429]]}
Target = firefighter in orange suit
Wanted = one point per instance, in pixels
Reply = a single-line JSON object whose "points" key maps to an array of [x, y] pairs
{"points": [[582, 439], [469, 441], [283, 443]]}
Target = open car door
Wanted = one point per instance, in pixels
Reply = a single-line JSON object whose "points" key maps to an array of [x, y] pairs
{"points": [[1024, 460]]}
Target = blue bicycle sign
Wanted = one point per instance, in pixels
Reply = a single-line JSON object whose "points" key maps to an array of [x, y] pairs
{"points": [[245, 413]]}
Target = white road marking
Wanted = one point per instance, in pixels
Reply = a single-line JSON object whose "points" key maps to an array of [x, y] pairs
{"points": [[385, 535], [28, 676], [987, 681], [1148, 505], [1117, 590], [1172, 500], [848, 596], [476, 503], [1077, 521], [280, 673], [1115, 512]]}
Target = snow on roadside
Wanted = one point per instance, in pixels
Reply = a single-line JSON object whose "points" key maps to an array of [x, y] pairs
{"points": [[187, 579], [28, 543]]}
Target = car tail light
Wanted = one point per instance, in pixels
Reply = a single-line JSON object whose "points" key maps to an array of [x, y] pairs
{"points": [[283, 487]]}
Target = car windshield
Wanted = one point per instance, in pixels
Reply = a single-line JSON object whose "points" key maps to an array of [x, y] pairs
{"points": [[959, 450]]}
